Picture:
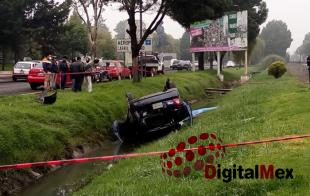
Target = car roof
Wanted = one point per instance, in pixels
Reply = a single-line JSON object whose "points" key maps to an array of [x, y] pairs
{"points": [[26, 62]]}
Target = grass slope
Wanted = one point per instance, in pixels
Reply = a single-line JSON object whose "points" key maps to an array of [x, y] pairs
{"points": [[30, 131], [276, 107]]}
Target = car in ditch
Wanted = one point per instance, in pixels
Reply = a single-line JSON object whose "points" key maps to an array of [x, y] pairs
{"points": [[158, 112]]}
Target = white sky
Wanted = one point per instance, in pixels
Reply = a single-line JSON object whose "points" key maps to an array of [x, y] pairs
{"points": [[296, 14]]}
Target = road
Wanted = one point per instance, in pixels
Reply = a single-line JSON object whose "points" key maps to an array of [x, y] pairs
{"points": [[300, 71], [9, 87]]}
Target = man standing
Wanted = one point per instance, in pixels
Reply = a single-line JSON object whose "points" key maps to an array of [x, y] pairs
{"points": [[54, 71], [74, 70], [77, 76], [88, 69], [63, 68]]}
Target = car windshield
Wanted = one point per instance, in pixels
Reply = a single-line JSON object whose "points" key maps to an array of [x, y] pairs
{"points": [[149, 59], [23, 65], [167, 58], [176, 62]]}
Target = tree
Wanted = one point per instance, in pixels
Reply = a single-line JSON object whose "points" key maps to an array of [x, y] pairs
{"points": [[85, 8], [185, 46], [161, 38], [132, 7], [304, 49], [74, 41], [45, 23], [120, 29], [277, 38], [106, 45], [258, 52]]}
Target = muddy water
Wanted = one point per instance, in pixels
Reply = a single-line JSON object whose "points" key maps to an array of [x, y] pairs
{"points": [[69, 178]]}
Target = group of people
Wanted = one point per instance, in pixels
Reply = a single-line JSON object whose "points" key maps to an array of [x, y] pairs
{"points": [[80, 72]]}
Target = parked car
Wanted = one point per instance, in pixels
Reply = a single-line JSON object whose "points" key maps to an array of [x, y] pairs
{"points": [[151, 65], [116, 69], [36, 76], [230, 64], [162, 111], [181, 65], [21, 69]]}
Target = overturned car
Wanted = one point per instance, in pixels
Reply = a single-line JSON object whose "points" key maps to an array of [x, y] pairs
{"points": [[162, 111]]}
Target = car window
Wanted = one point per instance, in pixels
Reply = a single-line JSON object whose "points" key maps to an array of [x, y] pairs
{"points": [[176, 62], [38, 65], [23, 65], [167, 58]]}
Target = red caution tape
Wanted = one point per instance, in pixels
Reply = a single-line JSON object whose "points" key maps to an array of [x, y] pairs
{"points": [[114, 157]]}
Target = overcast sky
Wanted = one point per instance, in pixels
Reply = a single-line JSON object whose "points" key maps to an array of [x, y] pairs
{"points": [[296, 14]]}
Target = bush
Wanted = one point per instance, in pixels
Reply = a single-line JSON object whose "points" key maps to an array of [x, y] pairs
{"points": [[277, 69], [268, 60]]}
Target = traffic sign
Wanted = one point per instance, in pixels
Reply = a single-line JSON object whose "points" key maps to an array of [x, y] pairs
{"points": [[124, 45]]}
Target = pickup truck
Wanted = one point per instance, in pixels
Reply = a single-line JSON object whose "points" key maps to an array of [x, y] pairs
{"points": [[151, 65]]}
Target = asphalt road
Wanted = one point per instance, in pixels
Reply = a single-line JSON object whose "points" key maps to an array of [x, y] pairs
{"points": [[9, 87], [300, 71]]}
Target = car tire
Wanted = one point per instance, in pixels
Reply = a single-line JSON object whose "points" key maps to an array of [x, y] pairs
{"points": [[33, 86], [14, 79]]}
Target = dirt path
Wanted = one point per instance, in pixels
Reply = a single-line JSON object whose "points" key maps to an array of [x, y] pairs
{"points": [[300, 71]]}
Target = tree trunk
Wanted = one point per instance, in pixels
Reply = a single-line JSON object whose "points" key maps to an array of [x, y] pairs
{"points": [[221, 60], [201, 61], [211, 59]]}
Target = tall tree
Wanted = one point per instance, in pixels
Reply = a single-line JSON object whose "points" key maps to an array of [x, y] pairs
{"points": [[132, 7], [277, 37], [120, 29], [45, 23], [161, 38], [90, 12], [106, 47], [185, 46], [304, 49], [75, 38]]}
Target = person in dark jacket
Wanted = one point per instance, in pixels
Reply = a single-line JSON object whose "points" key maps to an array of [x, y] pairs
{"points": [[54, 71], [308, 62], [77, 78], [63, 68]]}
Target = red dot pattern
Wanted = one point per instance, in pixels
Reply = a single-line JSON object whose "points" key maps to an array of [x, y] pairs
{"points": [[180, 161]]}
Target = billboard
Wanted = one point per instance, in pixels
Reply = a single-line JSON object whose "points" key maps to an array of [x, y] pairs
{"points": [[228, 33]]}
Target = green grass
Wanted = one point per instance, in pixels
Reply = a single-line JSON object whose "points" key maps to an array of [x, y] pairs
{"points": [[30, 131], [277, 108]]}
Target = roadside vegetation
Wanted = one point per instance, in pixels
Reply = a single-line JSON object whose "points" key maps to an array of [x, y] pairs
{"points": [[263, 108], [30, 131]]}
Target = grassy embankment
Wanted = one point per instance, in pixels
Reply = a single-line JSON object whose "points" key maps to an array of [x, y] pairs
{"points": [[30, 131], [265, 109]]}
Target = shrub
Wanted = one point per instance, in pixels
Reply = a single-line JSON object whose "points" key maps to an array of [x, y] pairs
{"points": [[277, 69], [268, 60]]}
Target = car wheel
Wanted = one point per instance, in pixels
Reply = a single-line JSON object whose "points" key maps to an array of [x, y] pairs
{"points": [[33, 86], [14, 79]]}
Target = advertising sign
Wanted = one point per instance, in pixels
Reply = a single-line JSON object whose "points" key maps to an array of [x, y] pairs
{"points": [[228, 33]]}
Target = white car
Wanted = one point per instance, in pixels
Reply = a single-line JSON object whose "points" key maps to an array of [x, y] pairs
{"points": [[22, 68], [230, 64]]}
